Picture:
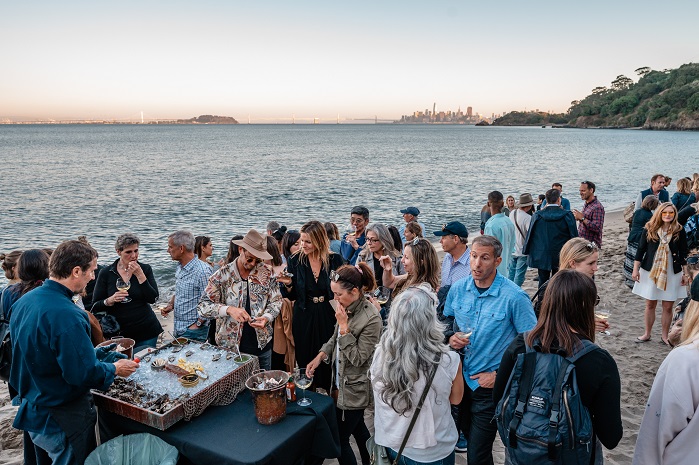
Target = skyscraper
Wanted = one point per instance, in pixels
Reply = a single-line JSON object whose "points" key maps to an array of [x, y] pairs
{"points": [[469, 111]]}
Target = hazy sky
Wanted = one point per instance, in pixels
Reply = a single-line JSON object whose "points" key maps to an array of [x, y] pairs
{"points": [[269, 59]]}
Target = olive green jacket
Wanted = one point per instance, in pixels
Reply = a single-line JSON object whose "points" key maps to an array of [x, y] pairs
{"points": [[356, 352]]}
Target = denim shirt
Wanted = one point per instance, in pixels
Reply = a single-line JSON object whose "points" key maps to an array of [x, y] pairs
{"points": [[496, 316]]}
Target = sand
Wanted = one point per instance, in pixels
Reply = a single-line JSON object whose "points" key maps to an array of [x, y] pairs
{"points": [[637, 363]]}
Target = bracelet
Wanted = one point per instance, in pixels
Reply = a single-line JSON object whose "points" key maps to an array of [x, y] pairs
{"points": [[106, 302]]}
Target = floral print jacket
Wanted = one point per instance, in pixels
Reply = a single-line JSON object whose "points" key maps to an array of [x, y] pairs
{"points": [[227, 288]]}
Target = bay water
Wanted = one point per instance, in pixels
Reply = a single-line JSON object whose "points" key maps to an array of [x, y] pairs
{"points": [[61, 181]]}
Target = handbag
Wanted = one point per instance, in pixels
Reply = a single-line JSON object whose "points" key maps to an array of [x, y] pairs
{"points": [[378, 454]]}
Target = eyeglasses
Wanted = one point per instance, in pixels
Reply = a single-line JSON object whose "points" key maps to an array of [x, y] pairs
{"points": [[668, 213], [371, 240], [253, 260], [591, 246]]}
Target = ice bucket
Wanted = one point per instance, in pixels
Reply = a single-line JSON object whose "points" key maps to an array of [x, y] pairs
{"points": [[268, 390]]}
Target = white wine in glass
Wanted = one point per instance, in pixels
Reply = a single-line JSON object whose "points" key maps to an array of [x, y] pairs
{"points": [[303, 382], [382, 294], [123, 286], [603, 314]]}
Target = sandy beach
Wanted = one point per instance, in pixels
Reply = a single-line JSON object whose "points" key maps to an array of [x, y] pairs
{"points": [[637, 363]]}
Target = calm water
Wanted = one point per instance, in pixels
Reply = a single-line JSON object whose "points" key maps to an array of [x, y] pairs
{"points": [[63, 181]]}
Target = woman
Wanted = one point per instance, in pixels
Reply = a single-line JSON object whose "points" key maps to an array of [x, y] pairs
{"points": [[509, 205], [314, 318], [136, 318], [420, 263], [640, 218], [283, 348], [349, 352], [684, 195], [412, 230], [9, 266], [567, 318], [204, 249], [397, 240], [404, 358], [657, 269], [379, 243], [233, 251], [291, 243], [333, 236], [668, 432]]}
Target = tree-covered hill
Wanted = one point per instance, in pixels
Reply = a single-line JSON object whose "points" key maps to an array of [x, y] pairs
{"points": [[530, 118]]}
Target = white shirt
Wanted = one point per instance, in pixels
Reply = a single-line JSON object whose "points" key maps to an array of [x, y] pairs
{"points": [[524, 219]]}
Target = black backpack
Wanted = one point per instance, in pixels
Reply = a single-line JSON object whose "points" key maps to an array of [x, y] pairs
{"points": [[5, 348], [541, 418]]}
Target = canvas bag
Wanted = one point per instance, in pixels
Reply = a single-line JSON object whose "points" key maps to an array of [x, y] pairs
{"points": [[541, 418]]}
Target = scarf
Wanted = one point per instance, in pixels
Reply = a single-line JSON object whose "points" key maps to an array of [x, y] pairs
{"points": [[658, 273]]}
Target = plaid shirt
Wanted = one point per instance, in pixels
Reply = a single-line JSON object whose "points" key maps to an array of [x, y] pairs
{"points": [[190, 282], [591, 229]]}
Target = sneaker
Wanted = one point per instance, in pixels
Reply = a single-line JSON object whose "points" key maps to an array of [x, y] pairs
{"points": [[461, 444]]}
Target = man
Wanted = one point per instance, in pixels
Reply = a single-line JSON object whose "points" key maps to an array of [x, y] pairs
{"points": [[521, 218], [657, 188], [54, 364], [352, 243], [245, 298], [410, 214], [565, 203], [496, 310], [500, 227], [456, 264], [551, 227], [591, 219], [271, 227], [191, 278]]}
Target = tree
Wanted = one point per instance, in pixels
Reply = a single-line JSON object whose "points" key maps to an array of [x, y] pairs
{"points": [[642, 71], [599, 90], [621, 82]]}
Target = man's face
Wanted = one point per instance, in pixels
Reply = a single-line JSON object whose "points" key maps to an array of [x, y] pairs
{"points": [[174, 251], [407, 217], [585, 192], [84, 277], [249, 261], [658, 184], [359, 222], [558, 188], [483, 262], [448, 242]]}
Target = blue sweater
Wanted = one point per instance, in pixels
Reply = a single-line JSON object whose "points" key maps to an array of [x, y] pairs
{"points": [[53, 361]]}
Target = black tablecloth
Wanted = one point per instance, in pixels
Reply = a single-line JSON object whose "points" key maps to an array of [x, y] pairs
{"points": [[231, 435]]}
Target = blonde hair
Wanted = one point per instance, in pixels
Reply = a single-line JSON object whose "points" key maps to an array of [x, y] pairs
{"points": [[684, 185], [690, 323], [319, 239], [656, 222], [576, 250]]}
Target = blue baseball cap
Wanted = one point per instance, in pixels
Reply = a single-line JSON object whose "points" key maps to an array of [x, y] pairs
{"points": [[411, 211], [455, 228]]}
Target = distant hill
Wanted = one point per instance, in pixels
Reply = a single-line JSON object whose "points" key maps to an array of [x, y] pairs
{"points": [[208, 119], [531, 118], [667, 99]]}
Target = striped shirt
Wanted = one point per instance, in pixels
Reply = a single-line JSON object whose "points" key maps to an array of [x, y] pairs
{"points": [[190, 282], [452, 271]]}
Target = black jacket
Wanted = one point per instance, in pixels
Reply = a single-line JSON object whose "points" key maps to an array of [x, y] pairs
{"points": [[551, 227], [640, 218], [678, 249]]}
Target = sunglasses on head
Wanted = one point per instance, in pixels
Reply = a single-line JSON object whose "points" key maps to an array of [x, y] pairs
{"points": [[693, 260], [413, 242], [591, 246]]}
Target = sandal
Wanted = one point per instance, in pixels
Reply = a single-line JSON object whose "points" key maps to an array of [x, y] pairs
{"points": [[641, 341]]}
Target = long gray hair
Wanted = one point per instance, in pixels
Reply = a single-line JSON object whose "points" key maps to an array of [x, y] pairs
{"points": [[408, 346], [384, 236]]}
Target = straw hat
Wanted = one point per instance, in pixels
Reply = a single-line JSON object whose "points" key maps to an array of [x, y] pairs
{"points": [[255, 243]]}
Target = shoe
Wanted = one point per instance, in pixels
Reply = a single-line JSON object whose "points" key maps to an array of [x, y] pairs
{"points": [[461, 444], [640, 341]]}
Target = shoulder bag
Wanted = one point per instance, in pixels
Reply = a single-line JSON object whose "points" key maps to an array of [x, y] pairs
{"points": [[377, 453]]}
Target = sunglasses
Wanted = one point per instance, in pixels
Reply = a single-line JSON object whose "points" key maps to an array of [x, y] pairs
{"points": [[335, 276], [591, 246], [693, 260], [253, 260], [413, 242]]}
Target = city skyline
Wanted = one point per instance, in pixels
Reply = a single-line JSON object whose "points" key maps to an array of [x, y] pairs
{"points": [[171, 60]]}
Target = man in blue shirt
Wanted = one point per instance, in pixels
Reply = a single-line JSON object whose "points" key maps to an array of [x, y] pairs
{"points": [[191, 278], [410, 214], [456, 264], [565, 203], [500, 227], [494, 310], [352, 243], [54, 364]]}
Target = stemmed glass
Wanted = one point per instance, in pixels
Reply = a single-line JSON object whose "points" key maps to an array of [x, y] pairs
{"points": [[303, 381], [382, 294], [603, 313], [123, 286], [351, 230]]}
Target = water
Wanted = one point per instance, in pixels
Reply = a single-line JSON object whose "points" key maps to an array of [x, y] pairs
{"points": [[63, 181]]}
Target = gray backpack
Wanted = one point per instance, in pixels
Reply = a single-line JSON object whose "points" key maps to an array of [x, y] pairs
{"points": [[541, 418]]}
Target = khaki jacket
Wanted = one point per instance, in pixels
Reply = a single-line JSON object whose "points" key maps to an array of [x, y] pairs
{"points": [[356, 352]]}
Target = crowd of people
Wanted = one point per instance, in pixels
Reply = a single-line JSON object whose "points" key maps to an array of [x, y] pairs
{"points": [[376, 320]]}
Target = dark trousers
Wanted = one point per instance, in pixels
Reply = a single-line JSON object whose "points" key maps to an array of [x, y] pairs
{"points": [[351, 423], [544, 275], [477, 412]]}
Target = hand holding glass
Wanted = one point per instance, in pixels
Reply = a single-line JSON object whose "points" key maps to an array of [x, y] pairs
{"points": [[123, 286], [603, 313]]}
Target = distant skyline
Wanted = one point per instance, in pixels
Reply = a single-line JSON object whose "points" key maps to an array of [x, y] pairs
{"points": [[314, 59]]}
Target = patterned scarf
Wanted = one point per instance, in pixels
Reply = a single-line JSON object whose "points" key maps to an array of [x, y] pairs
{"points": [[658, 273]]}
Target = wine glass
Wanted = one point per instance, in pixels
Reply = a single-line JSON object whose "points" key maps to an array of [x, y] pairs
{"points": [[350, 230], [123, 286], [603, 313], [303, 381], [382, 294]]}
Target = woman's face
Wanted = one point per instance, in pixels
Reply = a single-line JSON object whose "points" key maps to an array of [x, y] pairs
{"points": [[343, 296], [373, 242], [668, 214], [295, 247], [409, 236], [408, 259], [510, 202], [587, 266], [129, 253], [208, 249], [306, 244]]}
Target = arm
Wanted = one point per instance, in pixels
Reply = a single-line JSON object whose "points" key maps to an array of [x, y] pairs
{"points": [[274, 302], [209, 306], [605, 408], [76, 357], [639, 201], [507, 364], [457, 387], [359, 349], [100, 292], [684, 250]]}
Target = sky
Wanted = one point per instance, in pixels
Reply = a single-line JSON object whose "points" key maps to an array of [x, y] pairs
{"points": [[270, 60]]}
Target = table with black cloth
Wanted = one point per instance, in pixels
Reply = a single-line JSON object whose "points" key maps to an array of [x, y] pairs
{"points": [[231, 435]]}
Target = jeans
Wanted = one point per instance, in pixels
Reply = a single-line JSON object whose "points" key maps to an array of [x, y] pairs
{"points": [[477, 422], [265, 359], [448, 460], [56, 445], [517, 269], [351, 423], [200, 334]]}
